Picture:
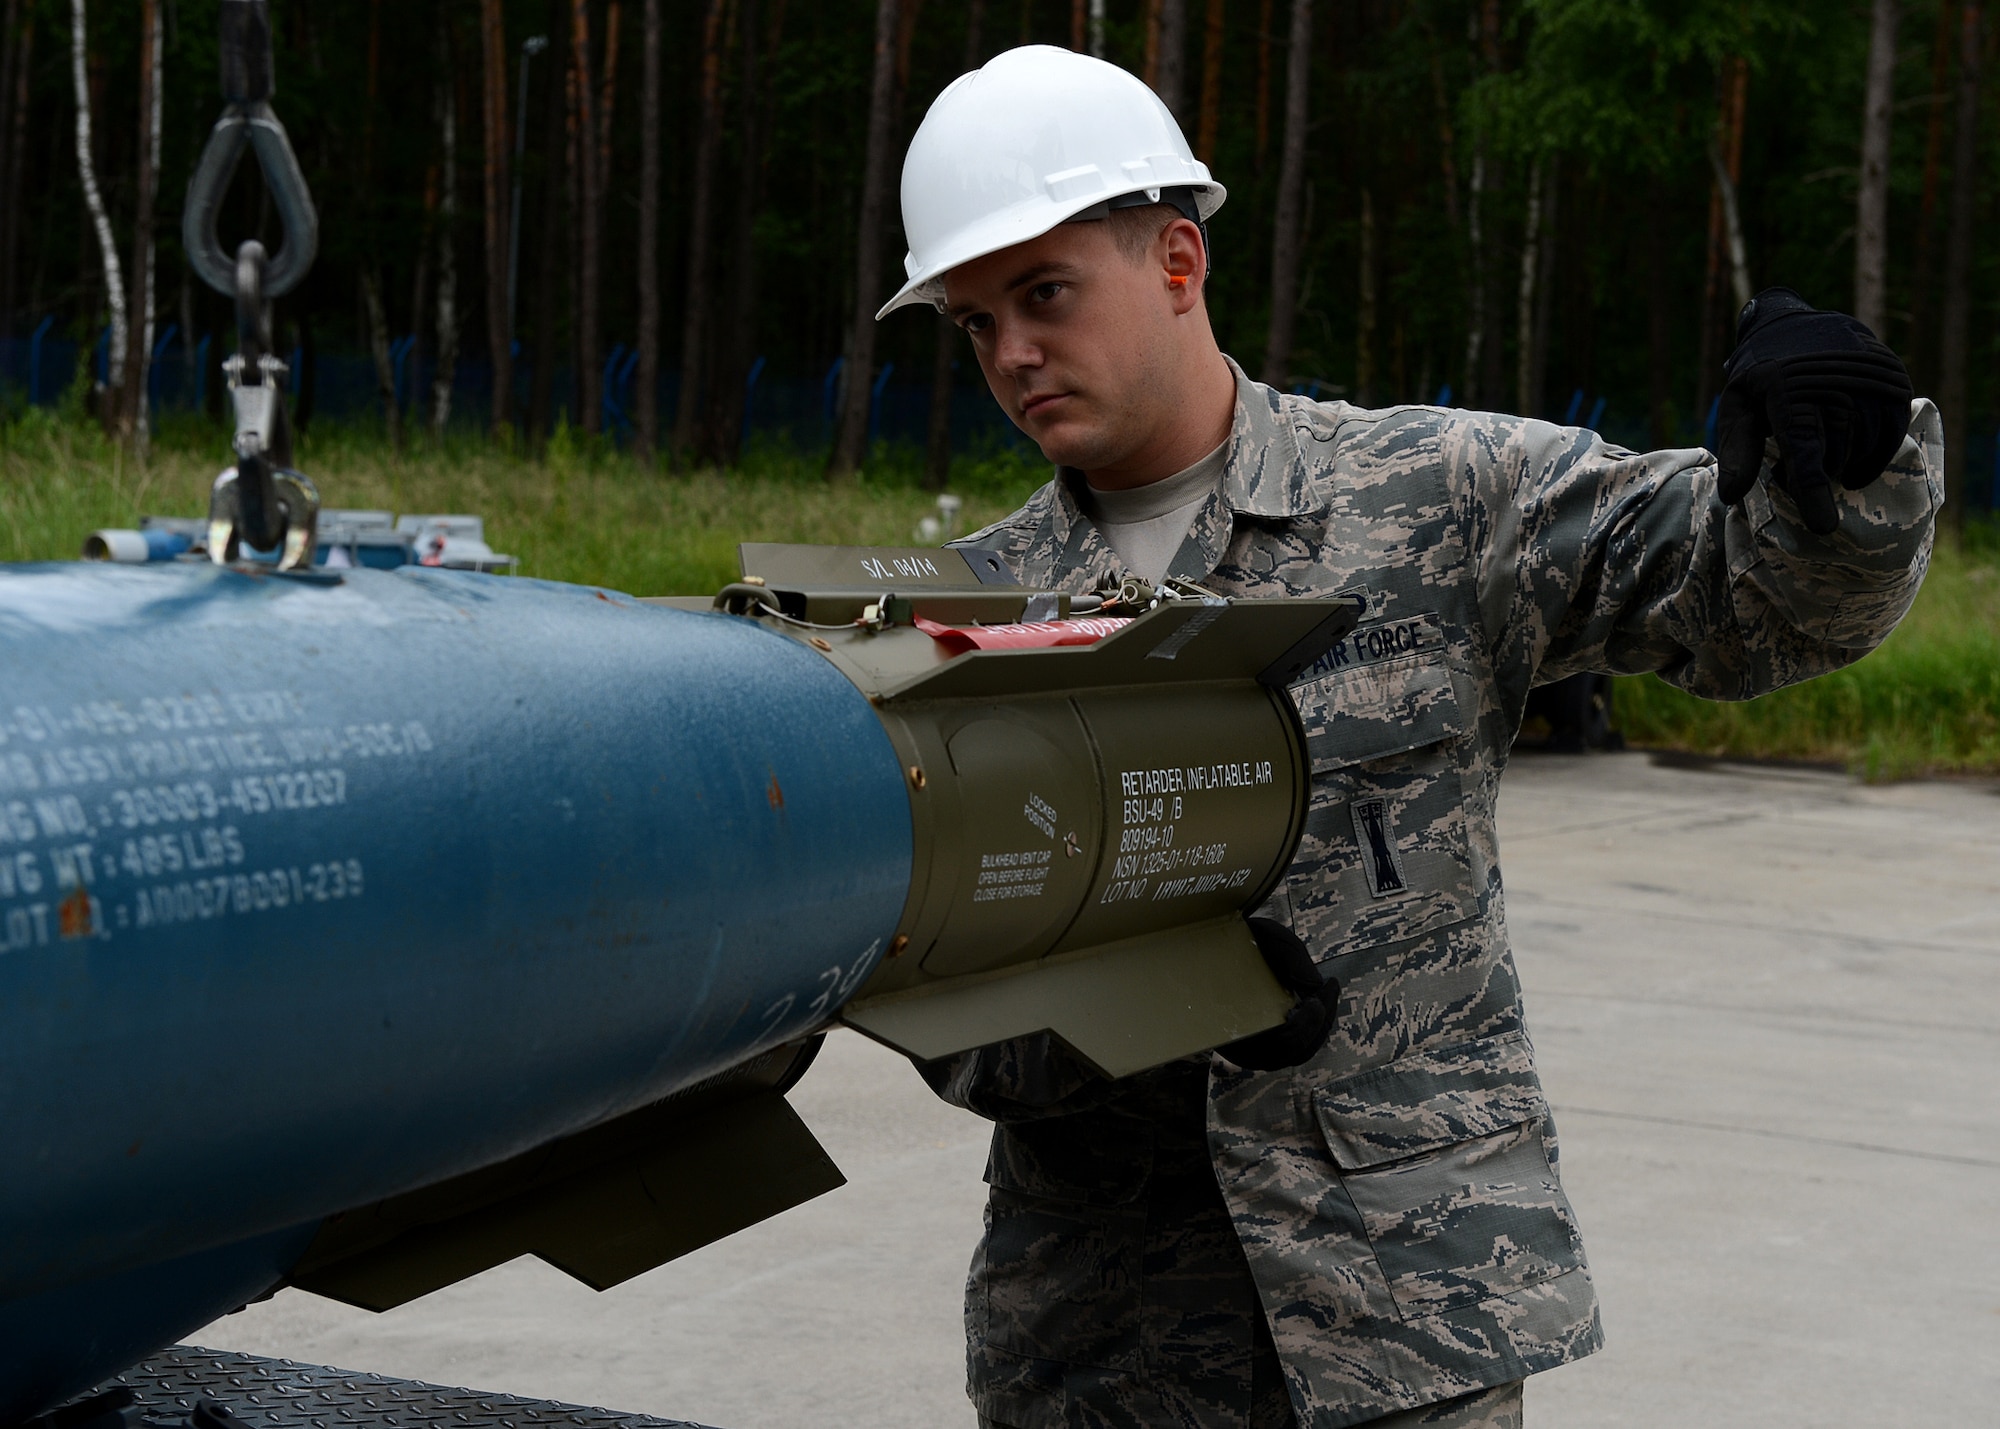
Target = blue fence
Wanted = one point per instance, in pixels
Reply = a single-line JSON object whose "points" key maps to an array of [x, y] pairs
{"points": [[39, 368], [799, 408]]}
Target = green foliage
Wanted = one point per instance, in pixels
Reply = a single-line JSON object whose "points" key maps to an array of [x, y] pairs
{"points": [[1404, 100], [1612, 80], [1981, 537], [1928, 701], [585, 513]]}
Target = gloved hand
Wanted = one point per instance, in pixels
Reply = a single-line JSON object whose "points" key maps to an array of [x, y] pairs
{"points": [[1307, 1026], [1834, 395]]}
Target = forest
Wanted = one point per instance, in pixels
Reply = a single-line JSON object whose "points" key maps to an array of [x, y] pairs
{"points": [[666, 224]]}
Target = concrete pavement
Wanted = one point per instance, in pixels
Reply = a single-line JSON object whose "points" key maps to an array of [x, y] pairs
{"points": [[1767, 1008]]}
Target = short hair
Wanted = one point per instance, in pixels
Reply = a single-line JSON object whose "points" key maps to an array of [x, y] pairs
{"points": [[1134, 229]]}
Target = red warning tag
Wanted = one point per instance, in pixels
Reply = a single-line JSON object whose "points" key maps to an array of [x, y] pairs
{"points": [[1035, 635]]}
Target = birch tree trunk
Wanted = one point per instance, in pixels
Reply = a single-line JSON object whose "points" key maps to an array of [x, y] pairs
{"points": [[1871, 220], [646, 401], [1286, 235], [133, 381], [590, 391], [1097, 28], [937, 451], [850, 438], [695, 319], [100, 222], [1732, 227], [498, 196], [447, 298], [1953, 393]]}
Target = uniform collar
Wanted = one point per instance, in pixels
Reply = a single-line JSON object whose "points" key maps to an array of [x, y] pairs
{"points": [[1266, 478]]}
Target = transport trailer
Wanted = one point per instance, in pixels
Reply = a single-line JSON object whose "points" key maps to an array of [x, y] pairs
{"points": [[188, 1387]]}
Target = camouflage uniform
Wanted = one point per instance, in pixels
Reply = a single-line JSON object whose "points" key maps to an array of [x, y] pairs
{"points": [[1383, 1228]]}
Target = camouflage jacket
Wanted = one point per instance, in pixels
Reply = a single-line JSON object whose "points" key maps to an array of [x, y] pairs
{"points": [[1389, 1218]]}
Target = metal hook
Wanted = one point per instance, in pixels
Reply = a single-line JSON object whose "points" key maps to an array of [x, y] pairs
{"points": [[260, 502], [248, 122]]}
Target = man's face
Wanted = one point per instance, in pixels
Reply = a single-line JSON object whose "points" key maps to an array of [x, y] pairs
{"points": [[1070, 332]]}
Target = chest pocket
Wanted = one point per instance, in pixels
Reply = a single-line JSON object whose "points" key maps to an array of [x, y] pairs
{"points": [[1385, 854]]}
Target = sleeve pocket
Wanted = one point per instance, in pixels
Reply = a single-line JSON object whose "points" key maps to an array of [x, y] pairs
{"points": [[1386, 854], [1444, 1156]]}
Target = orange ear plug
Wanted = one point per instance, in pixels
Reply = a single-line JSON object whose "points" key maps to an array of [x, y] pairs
{"points": [[1176, 280]]}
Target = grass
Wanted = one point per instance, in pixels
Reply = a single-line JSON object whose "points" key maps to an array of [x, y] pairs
{"points": [[583, 513], [1927, 702]]}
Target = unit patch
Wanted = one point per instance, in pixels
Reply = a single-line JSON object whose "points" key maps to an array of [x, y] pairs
{"points": [[1377, 837]]}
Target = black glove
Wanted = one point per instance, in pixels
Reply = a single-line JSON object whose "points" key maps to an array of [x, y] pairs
{"points": [[1310, 1022], [1832, 393]]}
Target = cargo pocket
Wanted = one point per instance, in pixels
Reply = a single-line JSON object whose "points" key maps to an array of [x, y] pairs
{"points": [[1386, 854], [1061, 1264], [1444, 1158]]}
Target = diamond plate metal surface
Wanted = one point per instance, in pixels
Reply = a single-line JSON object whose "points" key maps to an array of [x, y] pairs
{"points": [[281, 1394]]}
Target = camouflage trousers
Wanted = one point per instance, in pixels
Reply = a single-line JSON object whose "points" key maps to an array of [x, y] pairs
{"points": [[1495, 1408]]}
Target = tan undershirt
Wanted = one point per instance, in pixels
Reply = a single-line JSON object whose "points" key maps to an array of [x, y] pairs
{"points": [[1146, 524]]}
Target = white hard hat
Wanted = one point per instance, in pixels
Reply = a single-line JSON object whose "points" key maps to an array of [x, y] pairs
{"points": [[1032, 140]]}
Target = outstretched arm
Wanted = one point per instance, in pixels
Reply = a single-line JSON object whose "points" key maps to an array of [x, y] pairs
{"points": [[1596, 558]]}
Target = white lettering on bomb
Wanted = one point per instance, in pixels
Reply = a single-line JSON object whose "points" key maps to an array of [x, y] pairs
{"points": [[899, 568], [1004, 876]]}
